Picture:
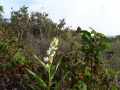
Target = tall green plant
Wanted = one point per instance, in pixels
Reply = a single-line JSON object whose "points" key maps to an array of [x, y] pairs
{"points": [[51, 70]]}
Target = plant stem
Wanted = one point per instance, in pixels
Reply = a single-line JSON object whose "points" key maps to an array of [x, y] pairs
{"points": [[49, 79]]}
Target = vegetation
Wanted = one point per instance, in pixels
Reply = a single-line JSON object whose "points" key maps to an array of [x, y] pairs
{"points": [[82, 61]]}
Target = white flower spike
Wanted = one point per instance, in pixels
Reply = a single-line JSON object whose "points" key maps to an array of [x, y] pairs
{"points": [[51, 52]]}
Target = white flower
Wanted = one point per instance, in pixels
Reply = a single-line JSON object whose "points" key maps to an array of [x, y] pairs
{"points": [[55, 48], [48, 52], [56, 41], [52, 44], [53, 53], [46, 59], [50, 49], [51, 60]]}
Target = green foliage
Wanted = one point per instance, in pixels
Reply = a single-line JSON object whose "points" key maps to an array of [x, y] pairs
{"points": [[81, 67], [86, 66]]}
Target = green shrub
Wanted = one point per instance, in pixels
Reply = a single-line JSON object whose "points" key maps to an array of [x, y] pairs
{"points": [[86, 66]]}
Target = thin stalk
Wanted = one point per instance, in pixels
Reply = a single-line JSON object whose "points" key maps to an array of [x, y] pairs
{"points": [[49, 82]]}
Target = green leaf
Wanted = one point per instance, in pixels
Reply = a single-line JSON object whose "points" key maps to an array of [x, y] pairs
{"points": [[86, 32], [84, 86], [33, 87], [81, 85], [65, 74], [96, 51], [17, 55], [83, 48], [113, 87], [87, 38], [55, 69], [102, 36], [87, 71], [104, 46], [39, 80], [41, 62]]}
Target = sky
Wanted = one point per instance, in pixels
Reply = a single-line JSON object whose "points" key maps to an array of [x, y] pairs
{"points": [[101, 15]]}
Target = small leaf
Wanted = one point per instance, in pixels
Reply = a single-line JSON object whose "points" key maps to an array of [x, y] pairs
{"points": [[17, 55], [113, 87], [81, 85], [93, 32], [87, 71]]}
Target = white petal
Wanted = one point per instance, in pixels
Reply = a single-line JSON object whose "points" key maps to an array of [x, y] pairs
{"points": [[56, 41], [53, 53], [46, 59], [52, 47], [51, 60], [48, 52], [52, 43], [55, 48]]}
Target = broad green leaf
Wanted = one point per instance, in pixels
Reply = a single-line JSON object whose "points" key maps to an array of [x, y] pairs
{"points": [[39, 80], [104, 46], [87, 38], [86, 32]]}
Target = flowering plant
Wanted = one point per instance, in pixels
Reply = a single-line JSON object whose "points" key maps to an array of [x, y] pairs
{"points": [[47, 65]]}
